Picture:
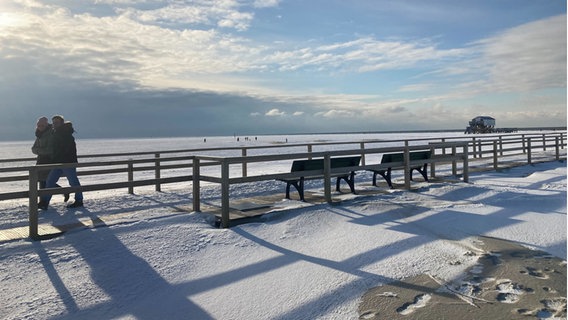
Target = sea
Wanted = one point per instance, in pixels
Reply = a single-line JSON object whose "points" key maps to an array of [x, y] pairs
{"points": [[22, 149]]}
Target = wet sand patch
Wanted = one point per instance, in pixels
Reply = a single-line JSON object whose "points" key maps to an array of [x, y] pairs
{"points": [[508, 282]]}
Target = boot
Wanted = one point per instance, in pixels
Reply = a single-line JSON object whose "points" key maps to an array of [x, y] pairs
{"points": [[42, 205], [76, 204]]}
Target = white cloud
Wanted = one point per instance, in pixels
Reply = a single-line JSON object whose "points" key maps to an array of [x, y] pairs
{"points": [[298, 113], [416, 87], [529, 57], [265, 3], [275, 113], [336, 114]]}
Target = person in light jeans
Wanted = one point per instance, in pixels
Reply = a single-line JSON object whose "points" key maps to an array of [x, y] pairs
{"points": [[64, 150]]}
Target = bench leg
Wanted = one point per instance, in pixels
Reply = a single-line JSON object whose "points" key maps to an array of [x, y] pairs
{"points": [[299, 185], [375, 178], [301, 189], [351, 182], [350, 179], [386, 174], [423, 171]]}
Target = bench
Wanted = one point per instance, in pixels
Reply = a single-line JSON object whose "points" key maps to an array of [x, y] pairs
{"points": [[399, 157], [318, 164]]}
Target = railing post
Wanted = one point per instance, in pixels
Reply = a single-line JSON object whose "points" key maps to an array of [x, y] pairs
{"points": [[480, 148], [444, 148], [557, 148], [406, 159], [310, 151], [465, 164], [562, 140], [433, 163], [244, 154], [529, 151], [196, 185], [454, 162], [158, 173], [362, 153], [327, 177], [130, 177], [33, 205], [495, 156], [224, 194], [474, 148], [543, 142], [501, 145], [524, 144]]}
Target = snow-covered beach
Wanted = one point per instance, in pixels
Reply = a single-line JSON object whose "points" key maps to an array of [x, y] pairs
{"points": [[155, 259]]}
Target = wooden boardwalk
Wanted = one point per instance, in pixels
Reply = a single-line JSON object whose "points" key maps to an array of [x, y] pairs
{"points": [[242, 210]]}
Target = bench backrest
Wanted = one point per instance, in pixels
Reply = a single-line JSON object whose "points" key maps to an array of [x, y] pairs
{"points": [[317, 164], [399, 157]]}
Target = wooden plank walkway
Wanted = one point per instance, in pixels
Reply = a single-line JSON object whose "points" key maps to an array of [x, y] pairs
{"points": [[242, 210]]}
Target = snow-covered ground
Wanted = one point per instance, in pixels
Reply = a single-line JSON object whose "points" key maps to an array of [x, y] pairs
{"points": [[154, 260]]}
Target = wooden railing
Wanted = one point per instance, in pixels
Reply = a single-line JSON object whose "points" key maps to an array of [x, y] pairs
{"points": [[469, 151], [225, 179]]}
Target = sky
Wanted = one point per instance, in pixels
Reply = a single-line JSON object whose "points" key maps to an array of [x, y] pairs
{"points": [[125, 68]]}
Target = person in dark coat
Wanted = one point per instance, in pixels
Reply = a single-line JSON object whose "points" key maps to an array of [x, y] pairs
{"points": [[63, 150], [41, 148]]}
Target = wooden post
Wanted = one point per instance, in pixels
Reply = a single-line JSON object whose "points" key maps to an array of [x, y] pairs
{"points": [[362, 153], [443, 149], [406, 166], [327, 177], [495, 156], [474, 148], [562, 140], [433, 163], [244, 154], [543, 142], [33, 205], [454, 162], [501, 145], [529, 151], [196, 187], [310, 151], [158, 173], [465, 164], [130, 177], [480, 149], [524, 144], [224, 194], [557, 148]]}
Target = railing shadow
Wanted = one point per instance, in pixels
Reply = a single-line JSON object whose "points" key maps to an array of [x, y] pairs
{"points": [[132, 285]]}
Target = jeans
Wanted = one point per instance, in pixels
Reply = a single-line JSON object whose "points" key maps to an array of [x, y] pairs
{"points": [[53, 177]]}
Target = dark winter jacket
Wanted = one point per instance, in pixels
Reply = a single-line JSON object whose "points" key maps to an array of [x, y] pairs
{"points": [[63, 145], [42, 145]]}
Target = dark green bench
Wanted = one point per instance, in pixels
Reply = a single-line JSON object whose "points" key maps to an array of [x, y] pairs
{"points": [[318, 164], [399, 157]]}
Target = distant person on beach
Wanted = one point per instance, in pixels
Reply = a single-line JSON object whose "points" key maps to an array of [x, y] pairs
{"points": [[41, 148], [64, 150]]}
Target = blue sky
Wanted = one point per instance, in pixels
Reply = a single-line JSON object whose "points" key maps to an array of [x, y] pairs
{"points": [[125, 68]]}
